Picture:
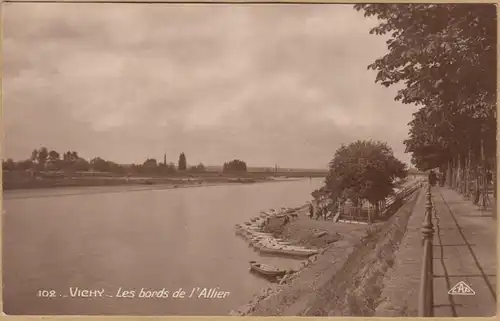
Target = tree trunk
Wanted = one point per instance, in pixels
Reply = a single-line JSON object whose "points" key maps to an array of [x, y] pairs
{"points": [[484, 197], [468, 172], [494, 205], [477, 189], [449, 175], [454, 171], [464, 176]]}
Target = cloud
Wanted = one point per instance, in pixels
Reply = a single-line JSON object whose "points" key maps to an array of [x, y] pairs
{"points": [[269, 84]]}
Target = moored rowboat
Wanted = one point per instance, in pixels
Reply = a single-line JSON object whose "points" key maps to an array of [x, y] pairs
{"points": [[266, 270]]}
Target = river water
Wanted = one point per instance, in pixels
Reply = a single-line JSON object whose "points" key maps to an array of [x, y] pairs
{"points": [[117, 239]]}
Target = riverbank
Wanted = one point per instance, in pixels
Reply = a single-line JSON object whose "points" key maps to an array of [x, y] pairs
{"points": [[345, 279], [156, 182], [55, 191]]}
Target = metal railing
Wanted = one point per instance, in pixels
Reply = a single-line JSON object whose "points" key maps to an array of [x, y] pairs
{"points": [[426, 295], [358, 214]]}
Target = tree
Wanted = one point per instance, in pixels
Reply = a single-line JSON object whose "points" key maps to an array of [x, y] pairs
{"points": [[151, 163], [34, 155], [443, 54], [42, 157], [53, 156], [54, 160], [182, 162], [81, 165], [364, 170], [235, 166], [170, 168], [70, 157], [25, 165], [8, 165], [198, 168], [99, 165]]}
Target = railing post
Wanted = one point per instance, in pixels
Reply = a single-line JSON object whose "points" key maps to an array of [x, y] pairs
{"points": [[426, 295]]}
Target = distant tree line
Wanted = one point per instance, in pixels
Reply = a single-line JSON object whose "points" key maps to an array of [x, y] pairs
{"points": [[235, 166], [44, 160]]}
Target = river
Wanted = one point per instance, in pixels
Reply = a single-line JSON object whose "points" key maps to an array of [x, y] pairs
{"points": [[120, 239]]}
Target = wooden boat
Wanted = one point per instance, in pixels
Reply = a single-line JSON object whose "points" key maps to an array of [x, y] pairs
{"points": [[299, 251], [284, 250], [266, 270]]}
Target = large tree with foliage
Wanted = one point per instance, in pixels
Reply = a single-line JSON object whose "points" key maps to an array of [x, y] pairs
{"points": [[445, 55], [364, 170]]}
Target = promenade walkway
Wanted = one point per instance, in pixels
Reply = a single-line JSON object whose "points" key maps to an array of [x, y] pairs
{"points": [[464, 250]]}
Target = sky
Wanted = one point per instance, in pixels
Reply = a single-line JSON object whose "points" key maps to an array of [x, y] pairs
{"points": [[267, 84]]}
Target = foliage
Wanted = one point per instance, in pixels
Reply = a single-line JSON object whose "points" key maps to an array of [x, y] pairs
{"points": [[24, 165], [42, 156], [150, 162], [99, 165], [364, 170], [197, 169], [8, 165], [235, 166], [54, 156], [445, 54], [81, 165], [182, 162]]}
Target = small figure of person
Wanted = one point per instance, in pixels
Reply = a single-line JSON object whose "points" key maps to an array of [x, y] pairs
{"points": [[442, 179], [286, 220], [489, 177], [311, 210], [432, 178], [319, 212]]}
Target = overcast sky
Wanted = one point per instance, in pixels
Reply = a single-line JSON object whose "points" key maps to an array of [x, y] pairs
{"points": [[267, 84]]}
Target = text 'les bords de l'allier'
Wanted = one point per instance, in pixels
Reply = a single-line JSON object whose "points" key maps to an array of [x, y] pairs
{"points": [[196, 293]]}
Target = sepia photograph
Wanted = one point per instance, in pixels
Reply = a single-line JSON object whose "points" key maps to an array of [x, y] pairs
{"points": [[249, 159]]}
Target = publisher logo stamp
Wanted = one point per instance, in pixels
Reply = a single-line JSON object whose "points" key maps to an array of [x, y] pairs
{"points": [[461, 288]]}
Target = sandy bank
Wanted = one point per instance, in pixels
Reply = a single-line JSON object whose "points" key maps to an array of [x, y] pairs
{"points": [[117, 188], [117, 185], [346, 279], [55, 182]]}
